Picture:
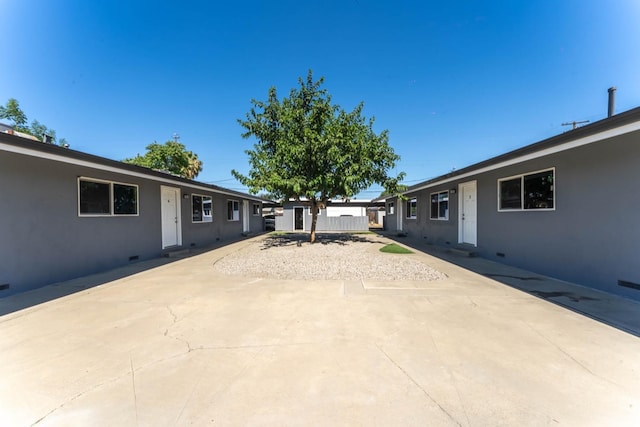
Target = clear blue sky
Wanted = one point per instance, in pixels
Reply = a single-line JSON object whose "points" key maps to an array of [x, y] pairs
{"points": [[454, 82]]}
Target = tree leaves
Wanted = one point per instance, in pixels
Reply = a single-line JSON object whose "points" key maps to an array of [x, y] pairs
{"points": [[307, 147], [12, 111], [171, 157]]}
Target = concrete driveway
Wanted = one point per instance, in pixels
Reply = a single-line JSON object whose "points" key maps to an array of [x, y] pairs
{"points": [[183, 345]]}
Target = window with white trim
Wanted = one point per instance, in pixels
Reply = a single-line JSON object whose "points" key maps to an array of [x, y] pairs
{"points": [[391, 208], [440, 205], [106, 198], [256, 209], [233, 210], [310, 211], [201, 208], [412, 208], [532, 191]]}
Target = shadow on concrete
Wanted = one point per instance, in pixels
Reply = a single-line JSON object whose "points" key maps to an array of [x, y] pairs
{"points": [[299, 239], [49, 292], [613, 310]]}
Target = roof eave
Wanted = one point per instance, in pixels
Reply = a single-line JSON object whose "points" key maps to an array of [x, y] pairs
{"points": [[54, 152]]}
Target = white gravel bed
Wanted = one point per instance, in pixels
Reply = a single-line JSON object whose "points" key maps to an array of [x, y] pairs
{"points": [[332, 257]]}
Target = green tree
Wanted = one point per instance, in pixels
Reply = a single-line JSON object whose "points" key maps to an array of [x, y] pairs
{"points": [[399, 189], [12, 111], [172, 157], [309, 149], [38, 130]]}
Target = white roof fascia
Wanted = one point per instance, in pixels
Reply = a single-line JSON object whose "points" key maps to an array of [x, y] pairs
{"points": [[631, 127], [88, 164]]}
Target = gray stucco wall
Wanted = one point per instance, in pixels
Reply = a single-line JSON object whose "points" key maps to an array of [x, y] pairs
{"points": [[591, 238], [390, 220], [43, 240], [220, 229]]}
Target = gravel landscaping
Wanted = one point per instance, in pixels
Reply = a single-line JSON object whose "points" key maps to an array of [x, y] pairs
{"points": [[332, 257]]}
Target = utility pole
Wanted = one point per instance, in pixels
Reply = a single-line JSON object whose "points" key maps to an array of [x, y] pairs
{"points": [[574, 124], [175, 137]]}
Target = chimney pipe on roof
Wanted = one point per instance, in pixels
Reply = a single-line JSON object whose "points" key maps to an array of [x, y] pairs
{"points": [[612, 101]]}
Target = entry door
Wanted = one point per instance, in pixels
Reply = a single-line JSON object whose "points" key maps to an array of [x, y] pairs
{"points": [[170, 216], [245, 216], [298, 218], [468, 223]]}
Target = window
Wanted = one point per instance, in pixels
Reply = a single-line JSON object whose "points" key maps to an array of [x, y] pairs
{"points": [[533, 191], [105, 198], [233, 210], [256, 209], [310, 211], [95, 198], [125, 199], [440, 205], [412, 208], [391, 208], [201, 208]]}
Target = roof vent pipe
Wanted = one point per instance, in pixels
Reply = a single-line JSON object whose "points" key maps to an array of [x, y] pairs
{"points": [[612, 101]]}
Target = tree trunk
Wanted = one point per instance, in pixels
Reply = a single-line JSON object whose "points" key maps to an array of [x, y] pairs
{"points": [[314, 219]]}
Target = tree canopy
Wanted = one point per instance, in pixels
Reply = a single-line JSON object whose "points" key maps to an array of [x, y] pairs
{"points": [[308, 148], [172, 157], [12, 111]]}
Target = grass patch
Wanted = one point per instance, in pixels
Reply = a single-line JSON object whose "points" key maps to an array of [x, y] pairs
{"points": [[394, 248]]}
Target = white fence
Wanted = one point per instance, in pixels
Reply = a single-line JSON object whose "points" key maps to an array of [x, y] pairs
{"points": [[326, 223]]}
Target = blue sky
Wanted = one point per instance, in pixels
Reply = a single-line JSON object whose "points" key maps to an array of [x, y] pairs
{"points": [[454, 82]]}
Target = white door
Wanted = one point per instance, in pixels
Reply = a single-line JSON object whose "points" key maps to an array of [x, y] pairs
{"points": [[245, 216], [170, 212], [467, 221]]}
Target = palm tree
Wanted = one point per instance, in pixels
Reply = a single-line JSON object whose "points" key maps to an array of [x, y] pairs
{"points": [[193, 168]]}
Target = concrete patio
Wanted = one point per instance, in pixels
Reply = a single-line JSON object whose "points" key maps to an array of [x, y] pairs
{"points": [[179, 344]]}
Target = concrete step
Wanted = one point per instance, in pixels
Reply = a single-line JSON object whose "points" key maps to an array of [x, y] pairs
{"points": [[464, 252], [175, 252]]}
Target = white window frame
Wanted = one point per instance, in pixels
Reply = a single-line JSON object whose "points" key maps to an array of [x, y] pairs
{"points": [[235, 210], [310, 212], [111, 195], [522, 198], [410, 204], [391, 208], [256, 209], [439, 218], [202, 196]]}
